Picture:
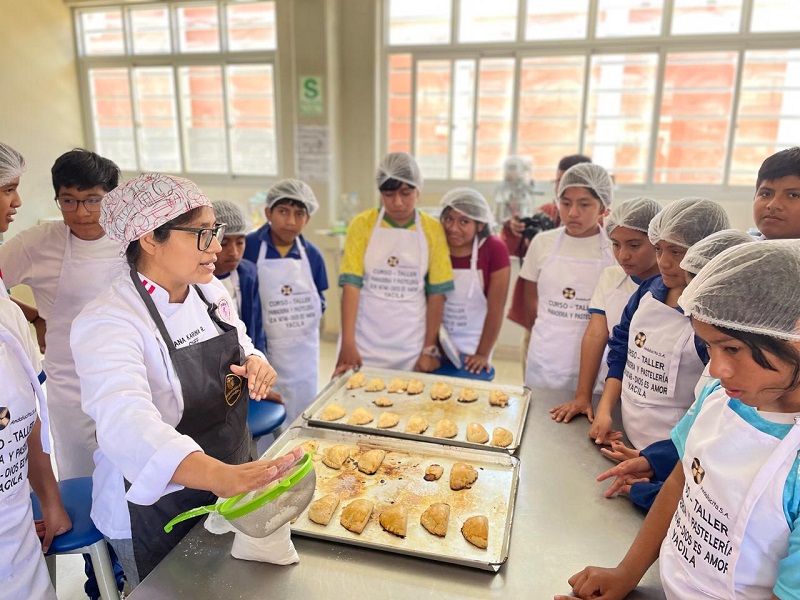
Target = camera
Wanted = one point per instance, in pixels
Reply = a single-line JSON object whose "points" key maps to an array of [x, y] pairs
{"points": [[536, 224]]}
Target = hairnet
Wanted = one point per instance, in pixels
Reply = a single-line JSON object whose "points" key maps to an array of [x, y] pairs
{"points": [[145, 203], [400, 166], [588, 175], [12, 164], [635, 213], [470, 203], [753, 287], [516, 168], [293, 189], [687, 221], [703, 251], [236, 220]]}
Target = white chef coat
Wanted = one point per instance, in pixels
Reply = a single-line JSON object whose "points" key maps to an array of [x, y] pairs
{"points": [[130, 389]]}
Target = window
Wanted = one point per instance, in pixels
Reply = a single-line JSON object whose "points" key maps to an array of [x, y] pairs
{"points": [[660, 92], [202, 98]]}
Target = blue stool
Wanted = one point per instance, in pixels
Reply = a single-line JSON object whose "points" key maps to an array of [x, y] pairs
{"points": [[84, 537], [263, 418], [448, 369]]}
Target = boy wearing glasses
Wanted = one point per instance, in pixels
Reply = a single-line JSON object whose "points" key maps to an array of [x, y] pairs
{"points": [[66, 264]]}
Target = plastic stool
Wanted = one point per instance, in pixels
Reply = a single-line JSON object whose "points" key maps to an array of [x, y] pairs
{"points": [[265, 417], [84, 537], [448, 369]]}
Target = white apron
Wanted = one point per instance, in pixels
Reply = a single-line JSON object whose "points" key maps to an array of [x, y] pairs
{"points": [[565, 286], [390, 325], [23, 572], [660, 374], [615, 302], [291, 311], [80, 282], [729, 530], [465, 307]]}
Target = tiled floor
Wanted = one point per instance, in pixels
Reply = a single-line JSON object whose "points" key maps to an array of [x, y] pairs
{"points": [[70, 568]]}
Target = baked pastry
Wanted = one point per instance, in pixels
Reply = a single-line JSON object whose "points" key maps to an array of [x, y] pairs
{"points": [[375, 385], [334, 456], [356, 380], [398, 385], [498, 398], [502, 437], [462, 476], [477, 433], [417, 424], [435, 518], [415, 386], [333, 412], [388, 419], [395, 520], [476, 531], [360, 416], [383, 401], [446, 429], [441, 391], [320, 511], [370, 461], [310, 446], [433, 472], [467, 395], [355, 515]]}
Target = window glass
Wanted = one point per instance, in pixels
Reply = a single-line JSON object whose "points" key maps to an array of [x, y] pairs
{"points": [[629, 18], [482, 21], [399, 103], [495, 106], [563, 20], [463, 120], [419, 22], [433, 117], [198, 28], [693, 124], [203, 114], [102, 32], [112, 117], [157, 127], [251, 110], [706, 16], [251, 26], [774, 15], [150, 30]]}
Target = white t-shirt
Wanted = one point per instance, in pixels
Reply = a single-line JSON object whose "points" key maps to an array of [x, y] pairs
{"points": [[609, 281], [33, 257], [542, 245]]}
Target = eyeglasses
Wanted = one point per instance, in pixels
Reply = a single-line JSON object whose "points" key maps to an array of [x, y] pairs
{"points": [[71, 205], [204, 235]]}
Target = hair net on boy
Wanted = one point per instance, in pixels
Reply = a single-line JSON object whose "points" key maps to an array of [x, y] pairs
{"points": [[12, 164], [235, 219], [703, 251], [516, 168], [293, 189], [687, 221], [470, 203], [635, 213], [753, 287], [400, 166], [588, 175]]}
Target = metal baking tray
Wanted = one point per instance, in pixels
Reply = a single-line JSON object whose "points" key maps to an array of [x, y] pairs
{"points": [[512, 417], [400, 480]]}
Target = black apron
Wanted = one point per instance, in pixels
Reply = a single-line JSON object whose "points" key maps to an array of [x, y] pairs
{"points": [[215, 405]]}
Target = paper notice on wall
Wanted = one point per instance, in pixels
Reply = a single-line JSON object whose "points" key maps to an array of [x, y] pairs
{"points": [[313, 153]]}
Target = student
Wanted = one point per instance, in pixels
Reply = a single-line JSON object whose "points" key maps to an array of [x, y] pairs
{"points": [[165, 367], [626, 226], [654, 359], [725, 523], [12, 166], [240, 277], [473, 311], [561, 270], [776, 206], [66, 264], [394, 275], [292, 279]]}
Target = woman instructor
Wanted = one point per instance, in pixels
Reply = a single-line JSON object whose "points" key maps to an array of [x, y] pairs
{"points": [[164, 364]]}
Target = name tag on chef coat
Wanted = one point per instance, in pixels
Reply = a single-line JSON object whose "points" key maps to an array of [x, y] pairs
{"points": [[188, 323]]}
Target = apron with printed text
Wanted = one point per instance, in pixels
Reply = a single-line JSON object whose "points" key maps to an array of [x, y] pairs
{"points": [[390, 325], [465, 307], [615, 302], [80, 282], [291, 310], [214, 415], [661, 371], [729, 530], [23, 572], [565, 286]]}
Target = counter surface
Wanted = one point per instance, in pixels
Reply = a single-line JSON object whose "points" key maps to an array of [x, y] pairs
{"points": [[562, 523]]}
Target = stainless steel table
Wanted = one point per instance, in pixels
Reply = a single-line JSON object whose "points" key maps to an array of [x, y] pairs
{"points": [[562, 522]]}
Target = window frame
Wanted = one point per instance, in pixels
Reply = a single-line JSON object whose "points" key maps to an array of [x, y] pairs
{"points": [[662, 45], [174, 60]]}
